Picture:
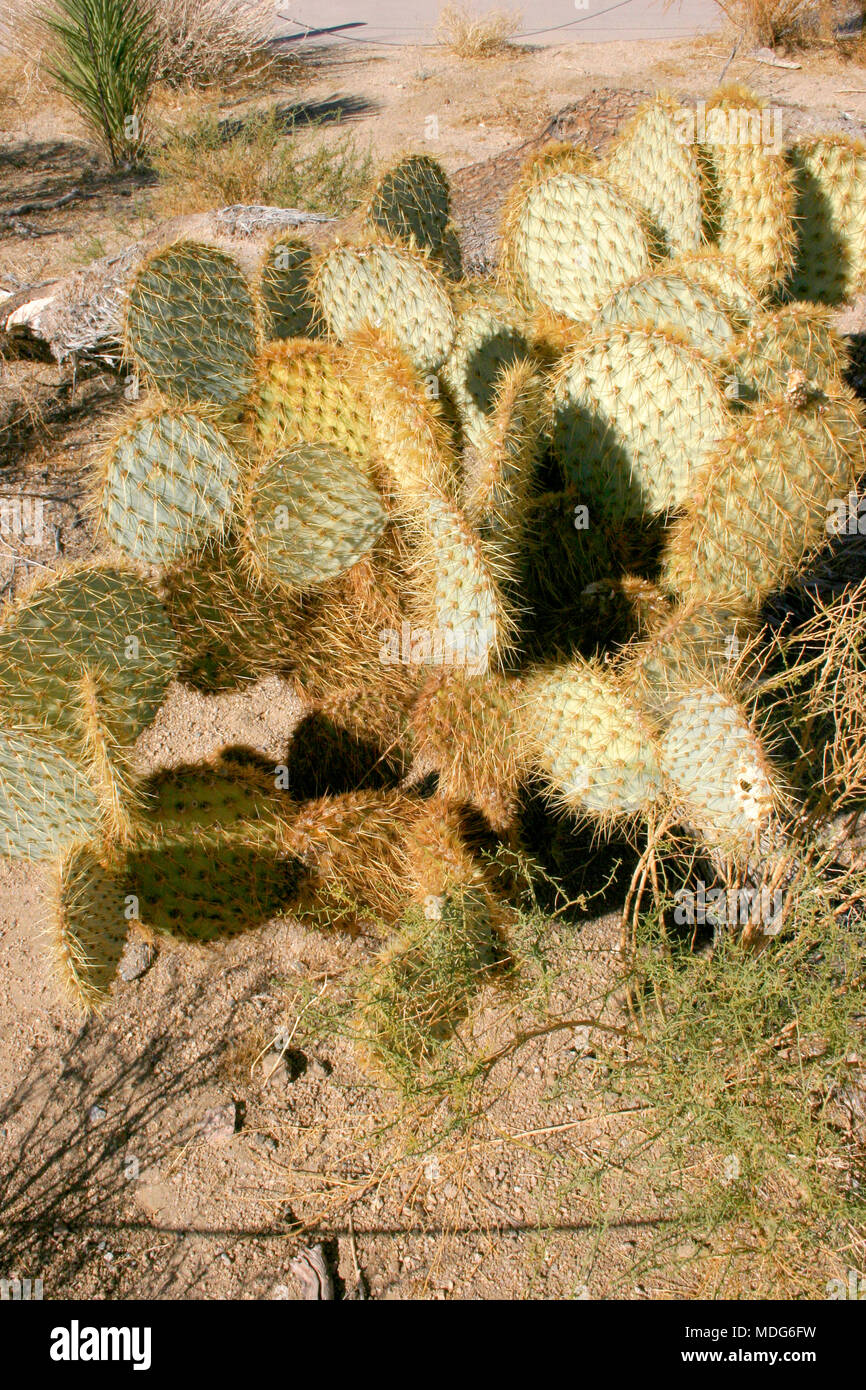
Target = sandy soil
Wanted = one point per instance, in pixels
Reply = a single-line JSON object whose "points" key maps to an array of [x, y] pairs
{"points": [[131, 1199]]}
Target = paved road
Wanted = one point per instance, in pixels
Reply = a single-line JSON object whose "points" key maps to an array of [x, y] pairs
{"points": [[544, 21]]}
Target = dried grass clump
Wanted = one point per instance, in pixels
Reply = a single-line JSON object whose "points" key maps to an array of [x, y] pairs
{"points": [[766, 23], [470, 35], [204, 41]]}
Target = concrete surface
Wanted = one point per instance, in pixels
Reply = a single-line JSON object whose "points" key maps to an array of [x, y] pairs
{"points": [[401, 22]]}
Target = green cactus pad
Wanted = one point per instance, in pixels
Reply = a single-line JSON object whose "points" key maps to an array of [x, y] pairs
{"points": [[635, 414], [571, 241], [309, 514], [87, 617], [168, 481], [682, 647], [762, 501], [752, 190], [830, 181], [47, 802], [459, 604], [659, 170], [391, 288], [668, 301], [88, 926], [205, 886], [725, 282], [223, 795], [498, 481], [589, 741], [786, 347], [288, 307], [191, 325], [412, 204]]}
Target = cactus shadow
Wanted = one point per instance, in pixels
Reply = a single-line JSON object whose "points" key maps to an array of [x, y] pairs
{"points": [[326, 759], [579, 868]]}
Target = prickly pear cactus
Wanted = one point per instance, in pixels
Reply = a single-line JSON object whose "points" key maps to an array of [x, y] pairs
{"points": [[660, 171], [494, 536]]}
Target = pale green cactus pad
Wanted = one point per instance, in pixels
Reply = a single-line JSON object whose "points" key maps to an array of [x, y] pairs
{"points": [[485, 345], [572, 241], [168, 482], [830, 181], [787, 348], [397, 290], [47, 802], [309, 514], [725, 282], [667, 300], [635, 414], [752, 190], [590, 741], [716, 765], [653, 163], [762, 501]]}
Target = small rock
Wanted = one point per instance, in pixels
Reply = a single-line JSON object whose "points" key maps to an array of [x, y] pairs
{"points": [[220, 1124], [137, 958], [264, 1143], [319, 1068], [95, 1114]]}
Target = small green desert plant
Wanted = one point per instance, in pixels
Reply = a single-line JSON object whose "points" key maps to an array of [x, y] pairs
{"points": [[103, 59], [263, 160]]}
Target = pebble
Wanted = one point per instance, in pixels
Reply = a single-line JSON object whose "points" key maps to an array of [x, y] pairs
{"points": [[264, 1143], [95, 1114], [137, 958], [220, 1124]]}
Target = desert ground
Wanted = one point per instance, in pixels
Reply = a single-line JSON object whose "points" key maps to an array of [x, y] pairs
{"points": [[218, 1119]]}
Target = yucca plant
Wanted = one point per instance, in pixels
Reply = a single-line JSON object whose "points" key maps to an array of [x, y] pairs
{"points": [[104, 62]]}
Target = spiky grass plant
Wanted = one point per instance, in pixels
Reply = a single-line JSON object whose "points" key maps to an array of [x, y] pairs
{"points": [[103, 60]]}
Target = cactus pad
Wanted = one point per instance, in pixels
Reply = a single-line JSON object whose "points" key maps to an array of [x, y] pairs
{"points": [[93, 616], [191, 325], [167, 485], [394, 289], [660, 172], [830, 181], [309, 514], [571, 240], [635, 413]]}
